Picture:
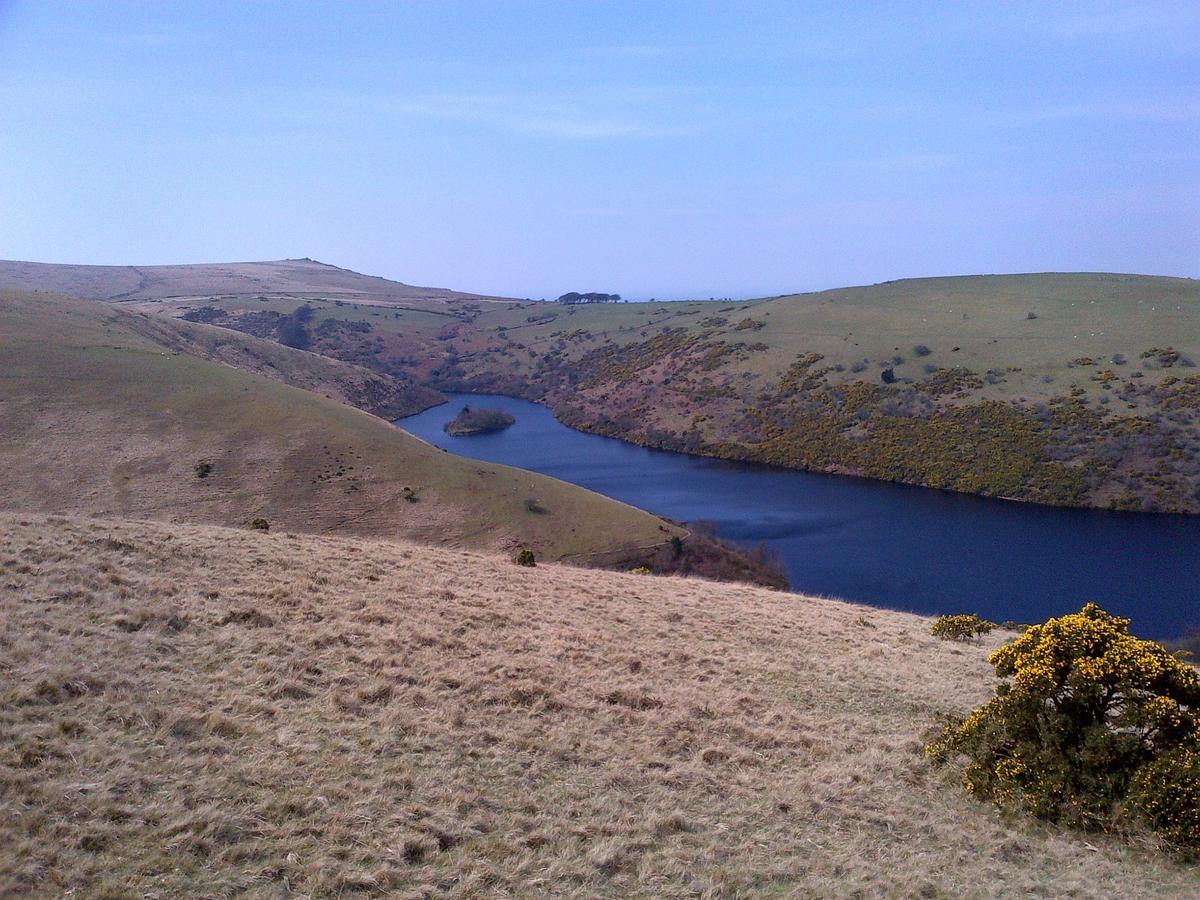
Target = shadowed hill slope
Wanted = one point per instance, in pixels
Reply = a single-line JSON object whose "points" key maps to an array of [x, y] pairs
{"points": [[101, 412], [194, 711], [387, 396]]}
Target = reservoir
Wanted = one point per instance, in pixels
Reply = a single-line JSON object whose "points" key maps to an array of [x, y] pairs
{"points": [[889, 545]]}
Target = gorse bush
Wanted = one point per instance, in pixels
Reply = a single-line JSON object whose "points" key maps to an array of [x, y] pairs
{"points": [[1093, 725], [961, 627], [1166, 795], [525, 558]]}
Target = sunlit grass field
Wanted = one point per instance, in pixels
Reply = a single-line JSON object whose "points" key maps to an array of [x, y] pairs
{"points": [[196, 711]]}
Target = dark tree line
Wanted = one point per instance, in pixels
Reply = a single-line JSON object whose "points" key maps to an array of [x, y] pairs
{"points": [[592, 297]]}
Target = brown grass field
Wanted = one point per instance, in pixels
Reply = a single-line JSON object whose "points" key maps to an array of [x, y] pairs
{"points": [[109, 412], [289, 277], [194, 711]]}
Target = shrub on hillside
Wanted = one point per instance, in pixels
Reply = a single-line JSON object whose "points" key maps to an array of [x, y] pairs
{"points": [[1166, 795], [964, 627], [525, 558], [705, 555], [293, 329], [1091, 720], [258, 523]]}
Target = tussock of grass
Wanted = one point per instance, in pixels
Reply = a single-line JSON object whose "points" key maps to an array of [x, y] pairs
{"points": [[193, 711]]}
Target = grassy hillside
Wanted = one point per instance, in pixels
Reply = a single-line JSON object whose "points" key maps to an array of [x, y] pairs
{"points": [[194, 711], [101, 411], [1070, 389], [1073, 389], [286, 277], [385, 395]]}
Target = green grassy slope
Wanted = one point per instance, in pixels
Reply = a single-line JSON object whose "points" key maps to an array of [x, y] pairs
{"points": [[99, 414], [1077, 315]]}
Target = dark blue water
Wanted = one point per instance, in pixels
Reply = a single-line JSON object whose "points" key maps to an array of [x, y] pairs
{"points": [[889, 545]]}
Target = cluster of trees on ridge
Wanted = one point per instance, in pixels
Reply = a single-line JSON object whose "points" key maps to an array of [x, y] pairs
{"points": [[591, 297]]}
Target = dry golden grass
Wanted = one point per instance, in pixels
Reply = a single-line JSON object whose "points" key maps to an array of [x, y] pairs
{"points": [[194, 711], [108, 412], [293, 277]]}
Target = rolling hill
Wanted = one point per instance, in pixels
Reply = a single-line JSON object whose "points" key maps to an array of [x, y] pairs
{"points": [[285, 277], [1075, 389], [115, 412], [197, 711], [1064, 389]]}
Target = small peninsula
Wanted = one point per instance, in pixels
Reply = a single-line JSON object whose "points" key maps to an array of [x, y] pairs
{"points": [[478, 421]]}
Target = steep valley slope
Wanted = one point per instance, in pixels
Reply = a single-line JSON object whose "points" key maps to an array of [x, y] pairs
{"points": [[108, 411], [1063, 389], [1075, 389]]}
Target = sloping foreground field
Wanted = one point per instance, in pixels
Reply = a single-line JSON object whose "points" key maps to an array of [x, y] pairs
{"points": [[194, 711], [107, 411]]}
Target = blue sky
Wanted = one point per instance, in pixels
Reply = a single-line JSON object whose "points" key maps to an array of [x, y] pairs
{"points": [[653, 149]]}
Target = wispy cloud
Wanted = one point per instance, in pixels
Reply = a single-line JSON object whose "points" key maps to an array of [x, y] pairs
{"points": [[1149, 111], [1071, 20], [1094, 20], [638, 51], [149, 39], [634, 112], [1116, 109], [525, 114], [908, 162], [639, 210]]}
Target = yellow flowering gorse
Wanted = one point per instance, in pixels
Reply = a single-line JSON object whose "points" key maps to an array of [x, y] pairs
{"points": [[1088, 711]]}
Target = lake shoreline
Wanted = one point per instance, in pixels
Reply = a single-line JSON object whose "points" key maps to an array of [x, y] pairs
{"points": [[892, 545], [773, 467]]}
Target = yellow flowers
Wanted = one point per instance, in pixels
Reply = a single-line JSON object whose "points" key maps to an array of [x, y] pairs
{"points": [[1092, 647], [1093, 721], [961, 627]]}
